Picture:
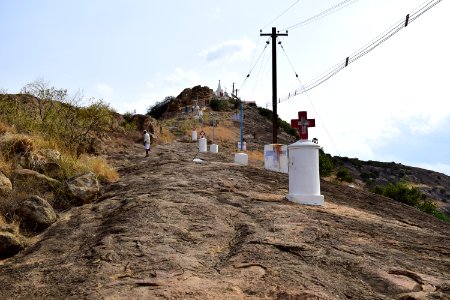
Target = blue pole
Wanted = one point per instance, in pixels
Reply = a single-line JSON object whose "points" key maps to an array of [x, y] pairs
{"points": [[213, 124], [242, 124]]}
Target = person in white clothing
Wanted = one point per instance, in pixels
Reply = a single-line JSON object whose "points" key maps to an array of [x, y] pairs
{"points": [[146, 143]]}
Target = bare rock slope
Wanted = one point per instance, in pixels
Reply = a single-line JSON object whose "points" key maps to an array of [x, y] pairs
{"points": [[174, 229]]}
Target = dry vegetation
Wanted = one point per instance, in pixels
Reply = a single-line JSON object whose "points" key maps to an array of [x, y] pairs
{"points": [[222, 134], [166, 137], [256, 155], [44, 124]]}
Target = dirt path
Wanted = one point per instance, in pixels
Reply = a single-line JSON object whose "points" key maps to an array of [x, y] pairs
{"points": [[174, 229]]}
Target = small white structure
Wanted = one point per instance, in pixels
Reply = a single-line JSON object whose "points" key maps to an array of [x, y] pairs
{"points": [[219, 91], [244, 146], [241, 159], [276, 158], [304, 179], [202, 145], [214, 148], [194, 135]]}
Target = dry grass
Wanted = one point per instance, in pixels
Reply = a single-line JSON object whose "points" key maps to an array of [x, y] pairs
{"points": [[4, 128], [6, 166], [12, 144], [86, 163], [45, 143], [222, 134], [166, 137], [256, 156]]}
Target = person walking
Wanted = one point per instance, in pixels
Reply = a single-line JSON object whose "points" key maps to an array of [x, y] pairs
{"points": [[146, 143]]}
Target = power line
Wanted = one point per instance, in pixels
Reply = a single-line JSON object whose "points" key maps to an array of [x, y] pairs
{"points": [[260, 77], [280, 15], [364, 50], [323, 14], [252, 67], [310, 101]]}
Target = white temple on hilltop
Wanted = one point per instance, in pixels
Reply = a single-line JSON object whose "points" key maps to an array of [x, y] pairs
{"points": [[219, 91]]}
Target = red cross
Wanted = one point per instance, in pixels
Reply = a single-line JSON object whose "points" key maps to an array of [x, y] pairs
{"points": [[302, 124]]}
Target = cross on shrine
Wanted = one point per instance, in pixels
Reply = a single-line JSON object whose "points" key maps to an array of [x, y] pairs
{"points": [[302, 124]]}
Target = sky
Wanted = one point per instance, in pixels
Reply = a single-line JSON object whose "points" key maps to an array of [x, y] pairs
{"points": [[390, 105]]}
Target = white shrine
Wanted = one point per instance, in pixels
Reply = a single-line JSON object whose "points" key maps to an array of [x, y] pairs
{"points": [[304, 178], [219, 91]]}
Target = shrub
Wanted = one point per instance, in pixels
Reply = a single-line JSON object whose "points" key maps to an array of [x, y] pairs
{"points": [[56, 115], [287, 128], [344, 175], [325, 163], [159, 108], [369, 176], [427, 206], [267, 113], [218, 105], [412, 197], [402, 193], [16, 144]]}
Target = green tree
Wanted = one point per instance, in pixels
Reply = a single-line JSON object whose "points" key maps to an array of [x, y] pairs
{"points": [[159, 108], [344, 175], [326, 165], [217, 105]]}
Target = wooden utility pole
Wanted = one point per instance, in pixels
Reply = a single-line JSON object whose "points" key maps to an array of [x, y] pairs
{"points": [[274, 36]]}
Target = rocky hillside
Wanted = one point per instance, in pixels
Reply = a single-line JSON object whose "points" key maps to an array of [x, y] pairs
{"points": [[174, 229], [434, 186], [368, 174], [171, 228]]}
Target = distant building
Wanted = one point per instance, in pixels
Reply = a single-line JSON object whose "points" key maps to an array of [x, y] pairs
{"points": [[219, 91]]}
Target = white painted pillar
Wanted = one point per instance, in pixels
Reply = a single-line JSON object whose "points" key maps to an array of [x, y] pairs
{"points": [[241, 159], [194, 135], [214, 148], [202, 145], [304, 178], [244, 146]]}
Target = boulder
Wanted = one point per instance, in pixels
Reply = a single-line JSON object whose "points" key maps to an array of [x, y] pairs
{"points": [[50, 154], [44, 161], [11, 242], [26, 180], [36, 213], [82, 189], [5, 184]]}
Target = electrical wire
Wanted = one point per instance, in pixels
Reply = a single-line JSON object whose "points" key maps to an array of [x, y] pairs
{"points": [[310, 101], [323, 14], [261, 75], [391, 31], [251, 68], [280, 15]]}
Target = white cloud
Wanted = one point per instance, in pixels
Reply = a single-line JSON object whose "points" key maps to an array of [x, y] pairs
{"points": [[217, 12], [229, 51], [104, 91], [180, 76]]}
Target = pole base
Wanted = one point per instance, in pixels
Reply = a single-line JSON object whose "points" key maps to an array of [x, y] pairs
{"points": [[213, 148], [306, 199], [241, 159]]}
